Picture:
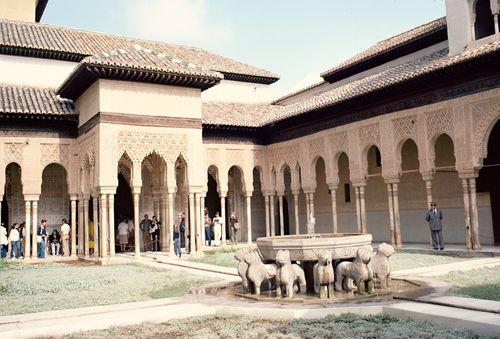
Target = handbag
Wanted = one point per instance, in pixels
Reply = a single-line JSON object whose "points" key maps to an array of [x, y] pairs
{"points": [[236, 226]]}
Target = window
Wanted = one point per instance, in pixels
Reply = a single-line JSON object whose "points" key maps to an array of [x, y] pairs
{"points": [[484, 24], [347, 192], [378, 158]]}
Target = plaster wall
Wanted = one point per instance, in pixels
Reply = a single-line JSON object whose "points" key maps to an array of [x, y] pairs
{"points": [[22, 10], [237, 91], [35, 72], [460, 24]]}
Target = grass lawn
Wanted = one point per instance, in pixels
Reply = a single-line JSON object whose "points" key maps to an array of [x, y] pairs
{"points": [[344, 326], [399, 261], [482, 283], [52, 286]]}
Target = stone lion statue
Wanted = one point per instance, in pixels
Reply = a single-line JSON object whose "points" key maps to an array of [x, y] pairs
{"points": [[381, 266], [324, 277], [287, 274], [358, 271], [242, 266], [258, 272]]}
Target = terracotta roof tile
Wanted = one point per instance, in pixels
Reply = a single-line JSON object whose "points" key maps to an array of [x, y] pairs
{"points": [[81, 43], [236, 114], [33, 100], [390, 43]]}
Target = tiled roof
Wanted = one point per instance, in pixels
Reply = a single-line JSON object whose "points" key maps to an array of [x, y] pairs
{"points": [[390, 43], [299, 91], [236, 114], [136, 57], [393, 76], [61, 42], [33, 100]]}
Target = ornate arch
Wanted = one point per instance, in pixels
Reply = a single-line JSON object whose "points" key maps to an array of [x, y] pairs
{"points": [[484, 116]]}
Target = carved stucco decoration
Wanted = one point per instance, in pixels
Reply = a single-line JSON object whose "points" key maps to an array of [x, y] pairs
{"points": [[212, 157], [14, 152], [317, 148], [86, 152], [483, 115], [369, 135], [338, 143], [440, 121], [405, 128], [55, 153], [235, 157], [140, 144], [258, 158], [284, 155]]}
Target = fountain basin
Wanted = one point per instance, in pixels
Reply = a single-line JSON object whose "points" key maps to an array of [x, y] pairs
{"points": [[305, 247]]}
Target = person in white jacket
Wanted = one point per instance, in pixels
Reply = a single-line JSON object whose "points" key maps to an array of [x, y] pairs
{"points": [[4, 241]]}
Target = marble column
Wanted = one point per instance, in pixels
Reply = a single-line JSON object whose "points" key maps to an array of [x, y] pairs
{"points": [[428, 191], [111, 212], [271, 205], [197, 203], [27, 227], [296, 211], [73, 226], [223, 216], [104, 225], [266, 200], [397, 225], [35, 224], [171, 222], [308, 207], [311, 201], [136, 223], [192, 224], [249, 217], [475, 216], [165, 221], [333, 195], [358, 210], [364, 228], [95, 217], [282, 219], [86, 226], [80, 226], [468, 232], [202, 219], [391, 214]]}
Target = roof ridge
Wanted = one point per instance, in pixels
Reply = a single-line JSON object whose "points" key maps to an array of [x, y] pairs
{"points": [[5, 84], [412, 29], [301, 90]]}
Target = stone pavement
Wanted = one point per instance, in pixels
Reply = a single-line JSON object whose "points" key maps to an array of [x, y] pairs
{"points": [[436, 270]]}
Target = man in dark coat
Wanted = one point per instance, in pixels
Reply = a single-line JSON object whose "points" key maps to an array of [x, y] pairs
{"points": [[434, 217]]}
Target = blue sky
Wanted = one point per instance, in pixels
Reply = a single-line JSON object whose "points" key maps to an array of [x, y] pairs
{"points": [[297, 39]]}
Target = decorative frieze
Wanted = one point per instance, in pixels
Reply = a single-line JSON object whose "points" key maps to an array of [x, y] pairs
{"points": [[14, 152]]}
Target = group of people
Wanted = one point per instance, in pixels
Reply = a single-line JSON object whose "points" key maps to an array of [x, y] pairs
{"points": [[59, 241], [214, 227]]}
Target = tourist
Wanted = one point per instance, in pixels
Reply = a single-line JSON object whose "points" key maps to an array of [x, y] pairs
{"points": [[208, 230], [41, 238], [177, 241], [218, 222], [130, 224], [235, 227], [65, 229], [123, 234], [55, 242], [145, 225], [434, 217], [182, 228], [4, 241], [154, 232], [21, 236], [14, 241]]}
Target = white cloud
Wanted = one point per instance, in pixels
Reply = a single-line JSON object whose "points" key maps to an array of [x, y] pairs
{"points": [[176, 21]]}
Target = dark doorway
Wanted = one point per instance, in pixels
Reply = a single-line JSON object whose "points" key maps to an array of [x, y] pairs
{"points": [[124, 204], [286, 217], [212, 200], [489, 179], [5, 212]]}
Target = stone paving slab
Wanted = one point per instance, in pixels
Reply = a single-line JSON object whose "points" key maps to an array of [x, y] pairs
{"points": [[485, 305], [432, 271], [480, 322]]}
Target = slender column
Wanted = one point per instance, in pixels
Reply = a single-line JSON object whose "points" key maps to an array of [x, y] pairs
{"points": [[104, 225], [358, 210], [198, 221], [202, 219], [192, 221], [223, 216], [428, 190], [86, 225], [136, 223], [73, 226], [26, 250], [296, 210], [282, 219], [311, 201], [308, 208], [111, 211], [249, 218], [271, 205], [391, 213], [96, 225], [171, 224], [475, 216], [397, 226], [35, 224], [80, 226], [468, 233], [268, 231], [363, 209], [333, 193], [165, 221]]}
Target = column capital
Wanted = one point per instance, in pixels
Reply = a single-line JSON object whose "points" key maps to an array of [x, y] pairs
{"points": [[333, 187], [358, 182], [269, 193], [31, 197], [468, 174], [136, 189], [296, 192], [309, 190], [106, 190], [391, 179], [73, 196], [223, 194], [248, 194]]}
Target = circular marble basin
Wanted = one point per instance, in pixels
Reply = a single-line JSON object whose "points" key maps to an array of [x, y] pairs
{"points": [[305, 247]]}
